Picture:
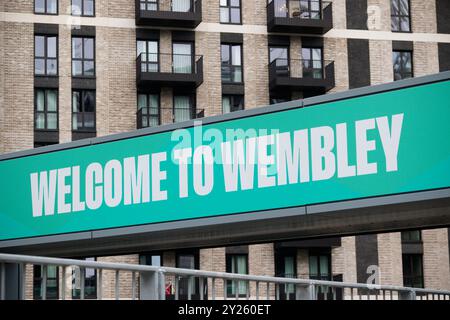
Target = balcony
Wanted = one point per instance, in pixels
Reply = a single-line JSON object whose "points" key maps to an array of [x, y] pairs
{"points": [[310, 76], [300, 16], [168, 70], [176, 13], [152, 117]]}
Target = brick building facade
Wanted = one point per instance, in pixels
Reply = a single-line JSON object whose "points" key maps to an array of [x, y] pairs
{"points": [[364, 42]]}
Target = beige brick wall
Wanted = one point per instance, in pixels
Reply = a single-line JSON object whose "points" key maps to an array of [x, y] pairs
{"points": [[2, 86], [390, 258], [344, 259], [436, 259], [109, 277], [339, 14], [336, 50], [22, 6], [214, 260], [209, 94], [254, 12], [423, 15], [65, 84], [303, 264], [115, 8], [18, 101], [210, 11], [256, 73], [380, 54], [261, 262], [425, 58], [379, 15]]}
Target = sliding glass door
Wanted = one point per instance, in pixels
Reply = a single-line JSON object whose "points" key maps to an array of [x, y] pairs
{"points": [[148, 49], [182, 57]]}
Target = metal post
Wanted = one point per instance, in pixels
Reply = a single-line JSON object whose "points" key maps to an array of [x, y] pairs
{"points": [[44, 282], [224, 289], [63, 283], [189, 287], [2, 282], [149, 286], [247, 290], [133, 285], [22, 271], [200, 280], [100, 284], [267, 290], [117, 289], [82, 282], [257, 290], [177, 281], [161, 285], [213, 288]]}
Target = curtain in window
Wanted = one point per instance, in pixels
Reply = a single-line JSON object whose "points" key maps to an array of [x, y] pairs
{"points": [[182, 108], [182, 58], [226, 104], [280, 8], [40, 105], [181, 5], [289, 272], [239, 265], [52, 102]]}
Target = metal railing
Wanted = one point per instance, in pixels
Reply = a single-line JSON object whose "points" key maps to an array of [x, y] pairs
{"points": [[302, 68], [154, 116], [160, 283], [296, 9], [169, 63], [175, 6]]}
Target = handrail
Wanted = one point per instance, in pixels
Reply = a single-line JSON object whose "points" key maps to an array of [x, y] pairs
{"points": [[25, 259]]}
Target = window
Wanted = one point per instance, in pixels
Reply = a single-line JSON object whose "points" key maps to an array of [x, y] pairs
{"points": [[183, 108], [187, 261], [149, 5], [148, 50], [46, 6], [319, 266], [230, 11], [182, 58], [83, 61], [90, 282], [46, 109], [83, 8], [148, 110], [231, 62], [232, 103], [309, 9], [52, 288], [286, 266], [151, 260], [45, 55], [413, 270], [280, 57], [400, 16], [402, 62], [237, 263], [83, 110], [312, 63], [411, 236], [181, 5]]}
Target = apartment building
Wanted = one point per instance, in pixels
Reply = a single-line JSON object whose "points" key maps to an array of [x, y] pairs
{"points": [[75, 69]]}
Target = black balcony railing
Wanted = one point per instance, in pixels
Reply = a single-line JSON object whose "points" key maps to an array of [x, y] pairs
{"points": [[231, 74], [303, 74], [169, 69], [305, 16], [175, 13], [151, 116]]}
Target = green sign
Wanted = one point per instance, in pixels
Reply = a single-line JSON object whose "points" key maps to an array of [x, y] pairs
{"points": [[380, 144]]}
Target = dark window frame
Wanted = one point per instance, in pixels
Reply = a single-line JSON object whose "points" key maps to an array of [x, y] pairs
{"points": [[147, 254], [146, 3], [196, 254], [45, 57], [309, 11], [46, 12], [230, 63], [232, 97], [318, 254], [282, 70], [147, 53], [402, 72], [82, 113], [192, 103], [46, 112], [83, 59], [193, 65], [82, 14], [38, 280], [148, 115], [410, 278], [228, 269], [312, 69], [229, 7], [400, 16], [406, 236]]}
